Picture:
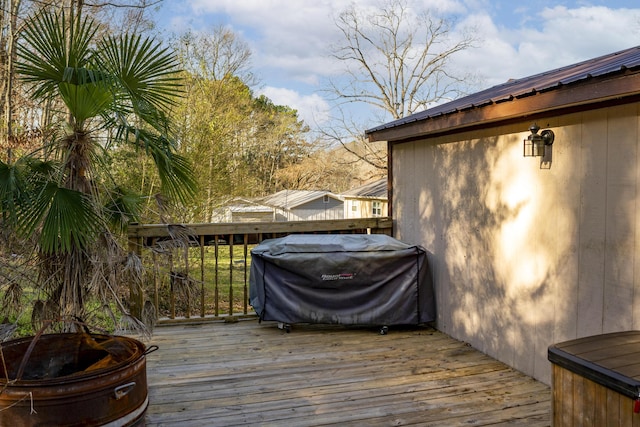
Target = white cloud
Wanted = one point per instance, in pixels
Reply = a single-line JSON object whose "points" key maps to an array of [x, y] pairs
{"points": [[586, 32], [553, 38], [287, 38], [290, 40], [295, 36], [313, 109]]}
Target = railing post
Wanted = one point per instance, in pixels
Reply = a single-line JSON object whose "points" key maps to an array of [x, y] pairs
{"points": [[135, 289], [202, 311], [156, 290], [245, 297], [230, 275], [187, 274], [172, 282], [216, 292]]}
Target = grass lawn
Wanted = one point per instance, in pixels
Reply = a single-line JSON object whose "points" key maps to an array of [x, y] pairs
{"points": [[221, 279]]}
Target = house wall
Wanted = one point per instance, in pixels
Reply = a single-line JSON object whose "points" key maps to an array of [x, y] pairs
{"points": [[252, 216], [313, 211], [527, 253], [364, 208]]}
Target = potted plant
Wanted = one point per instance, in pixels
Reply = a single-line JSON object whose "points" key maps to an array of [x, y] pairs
{"points": [[101, 93]]}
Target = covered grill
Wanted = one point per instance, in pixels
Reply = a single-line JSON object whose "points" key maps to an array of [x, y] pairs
{"points": [[349, 279]]}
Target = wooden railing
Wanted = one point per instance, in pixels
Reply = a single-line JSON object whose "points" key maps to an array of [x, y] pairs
{"points": [[201, 271]]}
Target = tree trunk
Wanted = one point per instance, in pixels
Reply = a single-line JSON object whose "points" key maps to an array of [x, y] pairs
{"points": [[12, 37]]}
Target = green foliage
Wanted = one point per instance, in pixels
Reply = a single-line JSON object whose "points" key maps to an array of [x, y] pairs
{"points": [[12, 190], [54, 52], [122, 207], [122, 85], [117, 92], [66, 217], [237, 142], [225, 280], [146, 71]]}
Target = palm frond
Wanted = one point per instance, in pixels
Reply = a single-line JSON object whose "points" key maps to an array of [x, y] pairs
{"points": [[174, 170], [176, 176], [13, 189], [122, 208], [46, 58], [40, 171], [152, 116], [64, 218], [146, 70], [85, 100]]}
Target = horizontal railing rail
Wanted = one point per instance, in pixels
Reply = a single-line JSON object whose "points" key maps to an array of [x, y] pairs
{"points": [[201, 271]]}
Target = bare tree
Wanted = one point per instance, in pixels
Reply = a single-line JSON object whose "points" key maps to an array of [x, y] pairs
{"points": [[397, 61], [215, 55], [8, 37], [132, 16], [320, 170]]}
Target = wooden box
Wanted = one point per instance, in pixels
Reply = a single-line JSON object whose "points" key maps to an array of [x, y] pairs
{"points": [[596, 381]]}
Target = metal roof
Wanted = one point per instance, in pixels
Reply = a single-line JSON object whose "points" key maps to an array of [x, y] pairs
{"points": [[617, 62], [290, 199], [251, 209], [240, 204], [376, 189]]}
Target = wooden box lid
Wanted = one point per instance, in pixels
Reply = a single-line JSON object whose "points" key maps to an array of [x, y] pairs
{"points": [[611, 360]]}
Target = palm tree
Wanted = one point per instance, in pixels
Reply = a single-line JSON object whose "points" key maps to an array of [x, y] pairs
{"points": [[112, 92]]}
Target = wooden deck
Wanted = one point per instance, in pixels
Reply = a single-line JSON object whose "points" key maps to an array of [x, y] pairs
{"points": [[246, 373]]}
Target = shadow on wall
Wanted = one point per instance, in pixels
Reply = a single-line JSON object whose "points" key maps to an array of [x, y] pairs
{"points": [[499, 224]]}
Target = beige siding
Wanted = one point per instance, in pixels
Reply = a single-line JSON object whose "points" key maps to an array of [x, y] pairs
{"points": [[528, 253], [252, 216], [364, 208]]}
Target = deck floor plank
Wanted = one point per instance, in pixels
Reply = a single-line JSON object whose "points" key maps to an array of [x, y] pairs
{"points": [[247, 373]]}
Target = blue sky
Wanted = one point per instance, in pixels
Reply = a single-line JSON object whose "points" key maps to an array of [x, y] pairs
{"points": [[290, 38]]}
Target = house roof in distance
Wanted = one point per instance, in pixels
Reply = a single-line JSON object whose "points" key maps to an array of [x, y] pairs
{"points": [[289, 199], [241, 204], [374, 190]]}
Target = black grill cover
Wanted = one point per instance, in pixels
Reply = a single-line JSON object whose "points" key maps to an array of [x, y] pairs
{"points": [[349, 279]]}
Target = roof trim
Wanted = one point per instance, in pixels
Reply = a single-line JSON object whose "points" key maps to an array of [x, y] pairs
{"points": [[582, 85], [372, 190]]}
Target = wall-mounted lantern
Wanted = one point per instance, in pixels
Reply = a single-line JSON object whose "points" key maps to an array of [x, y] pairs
{"points": [[534, 144]]}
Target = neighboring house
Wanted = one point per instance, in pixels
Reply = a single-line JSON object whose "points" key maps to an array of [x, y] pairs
{"points": [[367, 201], [527, 252], [243, 210], [304, 205]]}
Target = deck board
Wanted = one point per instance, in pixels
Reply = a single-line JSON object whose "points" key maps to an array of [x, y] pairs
{"points": [[250, 373]]}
